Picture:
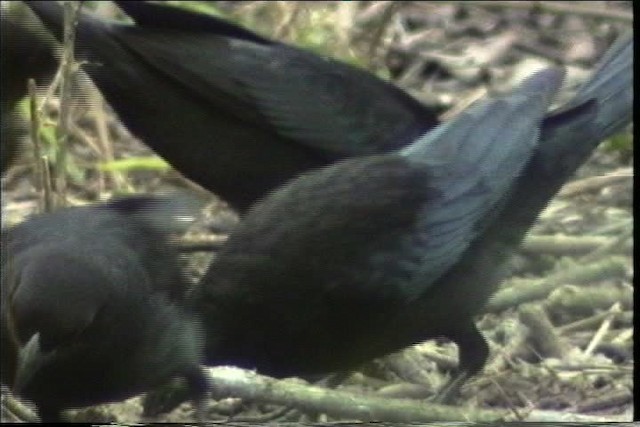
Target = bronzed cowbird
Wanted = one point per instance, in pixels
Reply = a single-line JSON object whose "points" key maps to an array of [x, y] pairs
{"points": [[289, 295], [93, 308], [373, 254], [233, 111]]}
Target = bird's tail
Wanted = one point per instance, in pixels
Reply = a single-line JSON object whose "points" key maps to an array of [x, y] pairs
{"points": [[602, 107], [612, 87], [573, 132]]}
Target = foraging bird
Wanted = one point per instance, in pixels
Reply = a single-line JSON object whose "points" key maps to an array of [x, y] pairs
{"points": [[92, 307], [291, 292], [235, 112], [24, 53], [374, 254], [363, 257]]}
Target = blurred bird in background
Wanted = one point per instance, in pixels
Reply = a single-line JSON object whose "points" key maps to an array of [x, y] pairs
{"points": [[92, 306], [235, 112]]}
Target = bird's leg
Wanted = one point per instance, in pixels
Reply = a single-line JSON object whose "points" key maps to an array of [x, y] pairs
{"points": [[49, 414], [473, 352], [199, 388], [165, 398]]}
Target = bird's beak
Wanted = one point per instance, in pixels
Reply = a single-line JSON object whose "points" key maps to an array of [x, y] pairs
{"points": [[30, 359]]}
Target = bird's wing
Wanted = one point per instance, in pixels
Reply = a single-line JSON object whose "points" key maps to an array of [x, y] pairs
{"points": [[315, 101], [474, 161], [353, 112]]}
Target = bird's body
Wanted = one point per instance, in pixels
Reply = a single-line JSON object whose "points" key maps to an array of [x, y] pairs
{"points": [[92, 307], [363, 257], [235, 112], [359, 259]]}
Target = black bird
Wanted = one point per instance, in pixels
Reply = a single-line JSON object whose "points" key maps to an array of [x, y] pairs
{"points": [[374, 254], [25, 52], [364, 257], [92, 307], [288, 294], [237, 113]]}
